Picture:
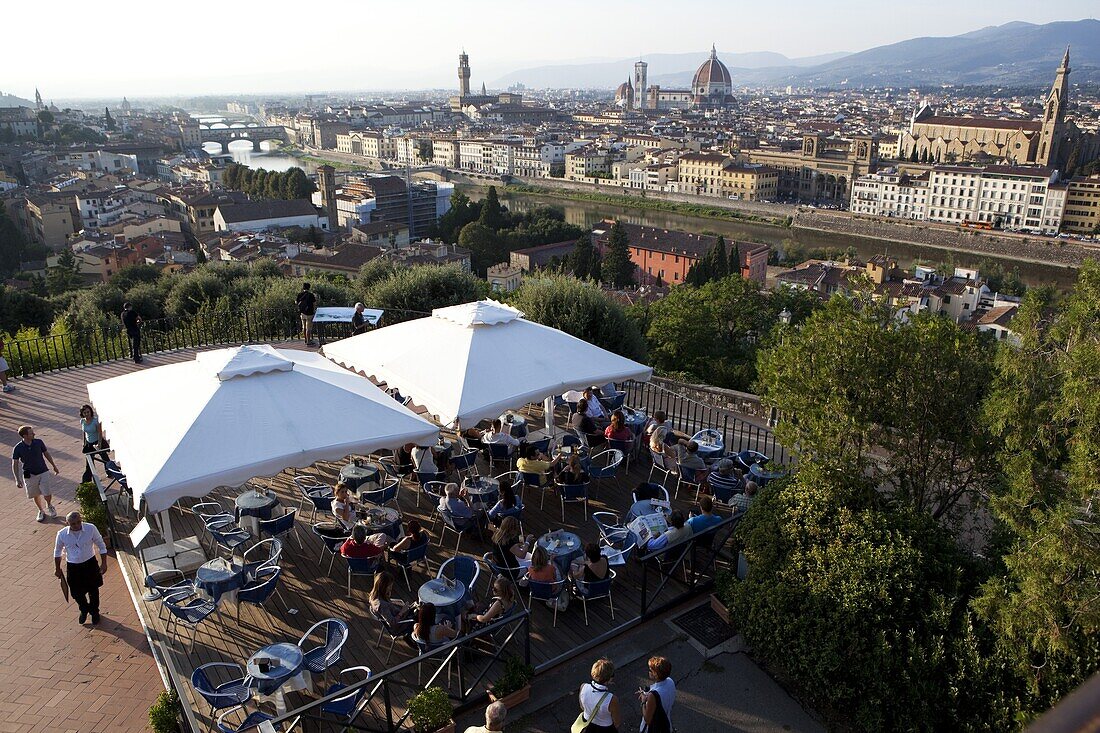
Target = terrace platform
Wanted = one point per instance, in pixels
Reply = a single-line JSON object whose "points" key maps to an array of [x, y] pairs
{"points": [[50, 401]]}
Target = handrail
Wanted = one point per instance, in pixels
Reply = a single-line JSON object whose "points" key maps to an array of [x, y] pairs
{"points": [[518, 620]]}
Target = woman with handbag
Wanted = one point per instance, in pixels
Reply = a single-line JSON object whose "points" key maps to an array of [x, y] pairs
{"points": [[657, 701], [599, 706]]}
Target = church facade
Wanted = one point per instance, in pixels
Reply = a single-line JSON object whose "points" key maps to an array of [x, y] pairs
{"points": [[1052, 141], [711, 89]]}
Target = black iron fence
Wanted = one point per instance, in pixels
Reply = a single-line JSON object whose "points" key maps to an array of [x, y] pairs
{"points": [[690, 416]]}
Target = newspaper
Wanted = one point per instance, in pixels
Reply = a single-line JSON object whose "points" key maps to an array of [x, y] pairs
{"points": [[648, 527]]}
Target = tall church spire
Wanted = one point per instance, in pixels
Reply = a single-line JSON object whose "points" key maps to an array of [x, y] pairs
{"points": [[37, 99], [1054, 116]]}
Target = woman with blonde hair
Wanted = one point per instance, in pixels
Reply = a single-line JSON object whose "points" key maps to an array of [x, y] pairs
{"points": [[600, 706], [394, 611]]}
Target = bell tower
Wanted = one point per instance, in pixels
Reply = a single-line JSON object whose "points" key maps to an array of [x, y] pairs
{"points": [[1054, 116], [463, 74], [641, 96]]}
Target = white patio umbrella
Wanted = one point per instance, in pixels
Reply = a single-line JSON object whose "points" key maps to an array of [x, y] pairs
{"points": [[231, 415], [474, 361]]}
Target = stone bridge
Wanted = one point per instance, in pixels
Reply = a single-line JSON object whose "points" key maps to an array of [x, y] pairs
{"points": [[255, 135]]}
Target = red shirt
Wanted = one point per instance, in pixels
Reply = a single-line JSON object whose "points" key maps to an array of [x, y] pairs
{"points": [[351, 548]]}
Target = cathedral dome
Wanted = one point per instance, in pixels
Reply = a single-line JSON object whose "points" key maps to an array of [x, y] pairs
{"points": [[624, 95], [712, 77]]}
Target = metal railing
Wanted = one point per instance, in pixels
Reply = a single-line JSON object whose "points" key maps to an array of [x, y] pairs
{"points": [[691, 416], [391, 689], [71, 349]]}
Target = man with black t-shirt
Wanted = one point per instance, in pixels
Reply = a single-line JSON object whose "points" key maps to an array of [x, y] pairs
{"points": [[307, 307], [132, 322]]}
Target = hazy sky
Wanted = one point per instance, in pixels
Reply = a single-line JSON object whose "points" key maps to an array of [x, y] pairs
{"points": [[125, 47]]}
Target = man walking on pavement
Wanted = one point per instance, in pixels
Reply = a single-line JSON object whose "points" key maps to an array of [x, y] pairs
{"points": [[32, 453], [85, 563], [132, 321], [307, 307]]}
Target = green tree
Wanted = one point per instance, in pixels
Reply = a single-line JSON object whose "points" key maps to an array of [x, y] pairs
{"points": [[719, 264], [1045, 407], [417, 290], [581, 259], [132, 275], [45, 117], [21, 309], [65, 275], [492, 214], [462, 212], [581, 309], [108, 121], [618, 268], [485, 246]]}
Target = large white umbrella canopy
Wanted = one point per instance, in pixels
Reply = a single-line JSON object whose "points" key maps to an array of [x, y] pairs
{"points": [[231, 415], [474, 361]]}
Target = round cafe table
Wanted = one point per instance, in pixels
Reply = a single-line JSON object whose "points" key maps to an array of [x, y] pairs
{"points": [[217, 578], [642, 507], [635, 420], [356, 476], [762, 475], [442, 595], [482, 490], [515, 424], [381, 519], [286, 669], [253, 506], [563, 548]]}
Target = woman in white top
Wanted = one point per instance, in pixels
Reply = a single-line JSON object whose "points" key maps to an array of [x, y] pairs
{"points": [[424, 459], [657, 701], [598, 704], [343, 506]]}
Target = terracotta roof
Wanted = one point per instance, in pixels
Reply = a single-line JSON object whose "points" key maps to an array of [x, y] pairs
{"points": [[712, 71], [262, 210], [1001, 316]]}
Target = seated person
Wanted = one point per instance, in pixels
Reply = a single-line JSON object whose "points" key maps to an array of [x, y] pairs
{"points": [[658, 443], [343, 506], [541, 568], [508, 501], [503, 600], [510, 550], [582, 422], [618, 430], [646, 490], [414, 536], [427, 459], [657, 420], [573, 473], [403, 459], [706, 518], [395, 611], [497, 434], [531, 460], [687, 455], [678, 530], [452, 501], [594, 409], [426, 630], [724, 474], [592, 567], [740, 502], [359, 545]]}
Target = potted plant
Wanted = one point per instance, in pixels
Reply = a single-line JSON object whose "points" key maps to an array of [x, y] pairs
{"points": [[514, 685], [430, 710], [722, 591], [93, 510], [164, 714]]}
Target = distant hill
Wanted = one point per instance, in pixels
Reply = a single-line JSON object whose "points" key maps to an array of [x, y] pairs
{"points": [[1013, 53], [662, 66], [10, 100]]}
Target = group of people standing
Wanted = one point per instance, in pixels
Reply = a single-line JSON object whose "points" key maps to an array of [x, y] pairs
{"points": [[600, 706]]}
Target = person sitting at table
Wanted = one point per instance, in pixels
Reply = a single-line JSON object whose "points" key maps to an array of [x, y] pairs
{"points": [[687, 455], [705, 518], [544, 571], [497, 434], [427, 631], [507, 501], [395, 611], [658, 443], [582, 422], [343, 506], [618, 430], [677, 531], [725, 473], [503, 601], [452, 501], [646, 490], [359, 545], [573, 473], [657, 420], [532, 460], [426, 459], [414, 536], [510, 550], [594, 408], [404, 459], [592, 567], [740, 502]]}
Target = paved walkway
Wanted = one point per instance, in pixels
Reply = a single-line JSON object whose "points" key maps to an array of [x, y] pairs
{"points": [[56, 675]]}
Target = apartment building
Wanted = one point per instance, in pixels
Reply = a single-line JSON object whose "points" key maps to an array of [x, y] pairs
{"points": [[890, 193], [1081, 214], [1003, 196], [367, 143]]}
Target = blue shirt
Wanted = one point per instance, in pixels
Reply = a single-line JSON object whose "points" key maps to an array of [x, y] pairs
{"points": [[32, 456], [703, 522]]}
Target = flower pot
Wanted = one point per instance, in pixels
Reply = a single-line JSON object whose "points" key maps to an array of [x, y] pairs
{"points": [[719, 608], [449, 728], [510, 701]]}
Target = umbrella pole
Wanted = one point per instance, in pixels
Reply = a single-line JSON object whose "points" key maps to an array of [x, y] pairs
{"points": [[548, 415], [166, 525]]}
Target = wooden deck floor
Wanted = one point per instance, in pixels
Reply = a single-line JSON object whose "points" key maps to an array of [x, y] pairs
{"points": [[313, 594]]}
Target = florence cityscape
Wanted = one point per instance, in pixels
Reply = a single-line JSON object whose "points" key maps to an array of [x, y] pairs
{"points": [[792, 313]]}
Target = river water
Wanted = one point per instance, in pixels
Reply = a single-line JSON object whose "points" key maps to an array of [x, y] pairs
{"points": [[587, 214], [268, 157]]}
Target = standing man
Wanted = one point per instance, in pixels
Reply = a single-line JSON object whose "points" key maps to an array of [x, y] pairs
{"points": [[132, 321], [85, 563], [31, 451], [307, 307], [358, 320]]}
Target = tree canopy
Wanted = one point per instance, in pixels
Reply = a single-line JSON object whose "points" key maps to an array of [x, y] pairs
{"points": [[617, 267]]}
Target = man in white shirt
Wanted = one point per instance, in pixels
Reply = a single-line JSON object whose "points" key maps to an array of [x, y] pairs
{"points": [[495, 715], [85, 562], [595, 407], [497, 434]]}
